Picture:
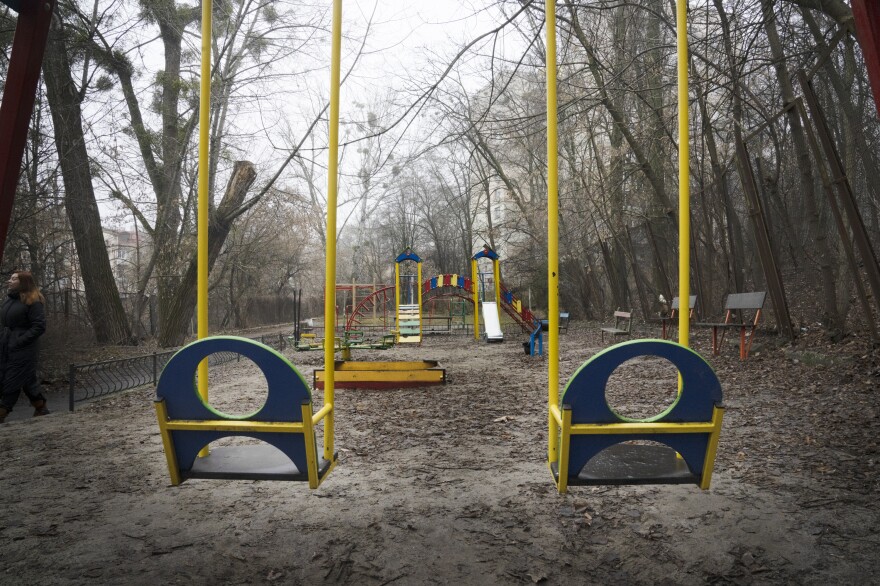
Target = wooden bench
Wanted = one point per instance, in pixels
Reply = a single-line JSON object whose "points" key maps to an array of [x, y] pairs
{"points": [[430, 319], [737, 306], [622, 325], [672, 318], [564, 318]]}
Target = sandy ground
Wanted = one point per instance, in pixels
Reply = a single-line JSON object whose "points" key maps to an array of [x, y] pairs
{"points": [[449, 484]]}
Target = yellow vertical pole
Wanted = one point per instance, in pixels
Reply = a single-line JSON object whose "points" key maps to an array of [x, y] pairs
{"points": [[397, 298], [330, 263], [419, 287], [552, 229], [684, 176], [476, 293], [203, 198], [496, 270]]}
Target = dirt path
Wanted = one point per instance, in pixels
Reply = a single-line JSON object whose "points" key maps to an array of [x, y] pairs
{"points": [[449, 485]]}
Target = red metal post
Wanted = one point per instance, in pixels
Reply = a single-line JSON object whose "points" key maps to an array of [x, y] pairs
{"points": [[866, 14], [19, 94]]}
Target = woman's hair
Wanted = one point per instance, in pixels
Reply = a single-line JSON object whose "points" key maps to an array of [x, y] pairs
{"points": [[28, 291]]}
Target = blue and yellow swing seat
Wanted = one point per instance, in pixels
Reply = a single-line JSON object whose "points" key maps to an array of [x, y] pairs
{"points": [[285, 424], [595, 444]]}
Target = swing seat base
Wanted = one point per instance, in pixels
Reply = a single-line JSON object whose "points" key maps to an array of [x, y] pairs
{"points": [[250, 462], [632, 464]]}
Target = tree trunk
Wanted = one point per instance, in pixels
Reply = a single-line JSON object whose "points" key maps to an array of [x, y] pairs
{"points": [[851, 112], [108, 317], [182, 303], [833, 321]]}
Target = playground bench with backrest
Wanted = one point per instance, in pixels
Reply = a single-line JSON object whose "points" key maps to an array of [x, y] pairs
{"points": [[668, 322], [564, 318], [738, 307], [622, 325]]}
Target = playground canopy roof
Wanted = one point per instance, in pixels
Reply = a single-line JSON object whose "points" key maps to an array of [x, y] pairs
{"points": [[487, 253], [408, 255]]}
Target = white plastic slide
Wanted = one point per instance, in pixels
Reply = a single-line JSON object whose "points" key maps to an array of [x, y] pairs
{"points": [[492, 322]]}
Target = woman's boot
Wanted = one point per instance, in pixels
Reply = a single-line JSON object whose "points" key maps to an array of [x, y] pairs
{"points": [[3, 413], [40, 407]]}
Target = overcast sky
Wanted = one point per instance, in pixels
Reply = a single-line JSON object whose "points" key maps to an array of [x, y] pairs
{"points": [[409, 43], [410, 37]]}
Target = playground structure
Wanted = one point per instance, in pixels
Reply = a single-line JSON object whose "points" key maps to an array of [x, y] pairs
{"points": [[408, 300], [411, 314], [369, 314], [576, 435], [490, 309], [586, 436], [350, 374], [186, 421], [353, 295], [503, 300], [408, 295]]}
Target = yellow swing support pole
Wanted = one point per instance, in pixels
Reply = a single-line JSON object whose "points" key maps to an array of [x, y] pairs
{"points": [[419, 294], [330, 263], [397, 298], [496, 270], [684, 191], [203, 198], [476, 286], [552, 231]]}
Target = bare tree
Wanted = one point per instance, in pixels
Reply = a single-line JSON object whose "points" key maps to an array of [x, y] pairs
{"points": [[108, 317]]}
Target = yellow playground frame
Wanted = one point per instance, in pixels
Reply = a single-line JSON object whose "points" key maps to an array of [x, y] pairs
{"points": [[558, 426], [400, 333], [475, 283], [326, 413]]}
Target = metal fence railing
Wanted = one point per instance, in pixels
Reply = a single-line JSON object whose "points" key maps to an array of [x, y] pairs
{"points": [[98, 379], [71, 306]]}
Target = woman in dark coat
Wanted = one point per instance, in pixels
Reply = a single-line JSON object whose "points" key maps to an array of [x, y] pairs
{"points": [[22, 322]]}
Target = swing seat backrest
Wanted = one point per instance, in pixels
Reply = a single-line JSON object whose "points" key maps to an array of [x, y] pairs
{"points": [[676, 305], [690, 426], [284, 422]]}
